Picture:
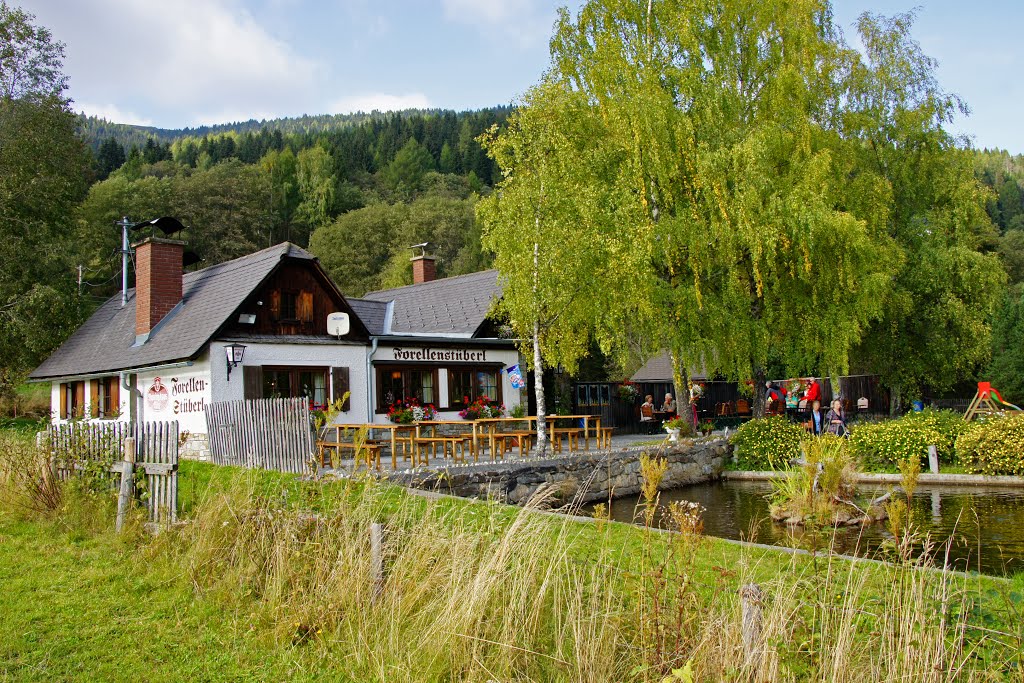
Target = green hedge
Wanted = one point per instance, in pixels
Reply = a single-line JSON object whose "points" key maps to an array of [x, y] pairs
{"points": [[995, 446], [883, 445], [766, 444]]}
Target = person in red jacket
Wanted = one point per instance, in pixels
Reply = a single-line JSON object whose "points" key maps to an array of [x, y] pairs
{"points": [[813, 391]]}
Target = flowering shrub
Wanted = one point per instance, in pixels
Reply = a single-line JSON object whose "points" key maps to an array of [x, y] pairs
{"points": [[884, 445], [628, 391], [481, 409], [995, 446], [409, 411], [683, 425], [766, 444]]}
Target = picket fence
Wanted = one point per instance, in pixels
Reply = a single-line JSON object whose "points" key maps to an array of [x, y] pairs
{"points": [[76, 446], [271, 434]]}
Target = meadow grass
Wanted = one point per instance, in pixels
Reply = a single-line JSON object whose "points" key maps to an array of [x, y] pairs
{"points": [[270, 578]]}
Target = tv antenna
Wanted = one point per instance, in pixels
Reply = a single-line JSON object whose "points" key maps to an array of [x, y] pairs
{"points": [[165, 224]]}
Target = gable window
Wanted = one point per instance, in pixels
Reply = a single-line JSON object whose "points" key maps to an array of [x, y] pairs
{"points": [[466, 385], [403, 383], [289, 382], [288, 305]]}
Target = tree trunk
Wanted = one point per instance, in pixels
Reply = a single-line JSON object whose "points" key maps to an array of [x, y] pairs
{"points": [[895, 401], [681, 383], [538, 387], [760, 404]]}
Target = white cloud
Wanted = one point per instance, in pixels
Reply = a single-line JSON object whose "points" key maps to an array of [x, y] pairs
{"points": [[369, 102], [112, 113], [521, 20], [179, 57]]}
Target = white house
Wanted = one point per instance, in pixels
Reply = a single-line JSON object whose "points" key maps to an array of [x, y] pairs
{"points": [[164, 355]]}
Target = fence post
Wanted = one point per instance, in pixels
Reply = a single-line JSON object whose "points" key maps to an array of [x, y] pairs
{"points": [[752, 601], [933, 459], [377, 558], [124, 499]]}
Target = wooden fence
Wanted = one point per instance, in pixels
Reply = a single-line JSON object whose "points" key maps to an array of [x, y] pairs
{"points": [[78, 446], [270, 434]]}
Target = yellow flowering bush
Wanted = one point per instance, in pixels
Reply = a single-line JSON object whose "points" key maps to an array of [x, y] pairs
{"points": [[995, 446], [883, 445], [767, 443]]}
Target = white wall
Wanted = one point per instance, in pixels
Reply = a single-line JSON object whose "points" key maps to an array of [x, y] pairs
{"points": [[315, 355], [385, 354]]}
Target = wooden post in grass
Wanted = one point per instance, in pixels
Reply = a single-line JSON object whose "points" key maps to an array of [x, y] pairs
{"points": [[933, 459], [124, 498], [377, 558], [752, 602]]}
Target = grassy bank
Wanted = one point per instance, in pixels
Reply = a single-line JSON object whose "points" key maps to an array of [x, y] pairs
{"points": [[256, 587]]}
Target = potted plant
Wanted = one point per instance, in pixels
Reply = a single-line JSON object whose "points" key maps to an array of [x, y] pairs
{"points": [[674, 427], [706, 427], [481, 409]]}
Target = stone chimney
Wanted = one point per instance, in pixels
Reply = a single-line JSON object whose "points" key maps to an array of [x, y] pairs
{"points": [[158, 274], [423, 269]]}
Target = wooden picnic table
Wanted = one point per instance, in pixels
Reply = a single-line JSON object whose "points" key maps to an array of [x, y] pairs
{"points": [[432, 425], [492, 423], [395, 438]]}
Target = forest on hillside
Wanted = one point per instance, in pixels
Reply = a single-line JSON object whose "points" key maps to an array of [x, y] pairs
{"points": [[356, 190]]}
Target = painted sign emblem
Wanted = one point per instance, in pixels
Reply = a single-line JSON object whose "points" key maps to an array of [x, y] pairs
{"points": [[157, 396]]}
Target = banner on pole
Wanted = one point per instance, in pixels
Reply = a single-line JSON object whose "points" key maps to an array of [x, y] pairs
{"points": [[515, 376]]}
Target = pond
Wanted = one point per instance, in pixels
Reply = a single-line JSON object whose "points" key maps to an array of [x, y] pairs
{"points": [[986, 525]]}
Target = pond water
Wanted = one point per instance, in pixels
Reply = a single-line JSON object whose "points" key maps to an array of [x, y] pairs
{"points": [[985, 525]]}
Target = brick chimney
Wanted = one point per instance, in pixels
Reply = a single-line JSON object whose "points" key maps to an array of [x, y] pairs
{"points": [[157, 281], [423, 269]]}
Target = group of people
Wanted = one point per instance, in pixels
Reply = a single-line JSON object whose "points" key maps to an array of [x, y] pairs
{"points": [[668, 409], [832, 421]]}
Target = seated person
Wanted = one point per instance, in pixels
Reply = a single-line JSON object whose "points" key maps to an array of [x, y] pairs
{"points": [[647, 413], [669, 406]]}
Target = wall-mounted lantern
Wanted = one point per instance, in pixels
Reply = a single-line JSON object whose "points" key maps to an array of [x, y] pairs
{"points": [[234, 353]]}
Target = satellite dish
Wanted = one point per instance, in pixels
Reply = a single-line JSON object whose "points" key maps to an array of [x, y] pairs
{"points": [[337, 324], [168, 225]]}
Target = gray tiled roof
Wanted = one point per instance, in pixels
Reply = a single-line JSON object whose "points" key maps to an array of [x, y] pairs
{"points": [[450, 306], [105, 343], [372, 313], [659, 369]]}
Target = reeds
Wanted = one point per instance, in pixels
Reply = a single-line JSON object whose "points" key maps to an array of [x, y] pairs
{"points": [[484, 592]]}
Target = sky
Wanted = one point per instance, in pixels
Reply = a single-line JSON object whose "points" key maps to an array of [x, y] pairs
{"points": [[178, 63]]}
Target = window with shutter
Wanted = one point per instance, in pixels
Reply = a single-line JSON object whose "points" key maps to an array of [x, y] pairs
{"points": [[252, 382], [304, 307], [340, 385], [94, 398]]}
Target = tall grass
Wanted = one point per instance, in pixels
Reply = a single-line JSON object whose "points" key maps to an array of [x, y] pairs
{"points": [[483, 592]]}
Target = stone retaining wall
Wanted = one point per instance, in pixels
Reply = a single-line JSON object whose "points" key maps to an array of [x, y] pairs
{"points": [[587, 477]]}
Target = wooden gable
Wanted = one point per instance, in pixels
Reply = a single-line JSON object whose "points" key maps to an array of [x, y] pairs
{"points": [[294, 300]]}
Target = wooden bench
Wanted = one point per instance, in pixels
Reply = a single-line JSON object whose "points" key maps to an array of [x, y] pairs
{"points": [[572, 437], [457, 443], [604, 437], [371, 448], [503, 442]]}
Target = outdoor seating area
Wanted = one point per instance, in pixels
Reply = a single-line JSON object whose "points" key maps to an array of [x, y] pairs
{"points": [[417, 443]]}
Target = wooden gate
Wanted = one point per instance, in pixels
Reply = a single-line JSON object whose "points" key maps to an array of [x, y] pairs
{"points": [[79, 446], [271, 434]]}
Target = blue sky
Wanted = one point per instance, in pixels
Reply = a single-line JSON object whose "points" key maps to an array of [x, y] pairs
{"points": [[175, 63]]}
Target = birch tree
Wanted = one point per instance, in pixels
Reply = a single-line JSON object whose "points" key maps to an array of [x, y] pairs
{"points": [[545, 225]]}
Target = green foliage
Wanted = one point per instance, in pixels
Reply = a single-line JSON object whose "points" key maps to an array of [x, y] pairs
{"points": [[766, 444], [884, 445], [995, 446], [828, 473], [43, 167], [1006, 371]]}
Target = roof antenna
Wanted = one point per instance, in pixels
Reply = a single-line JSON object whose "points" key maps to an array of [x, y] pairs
{"points": [[422, 246]]}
